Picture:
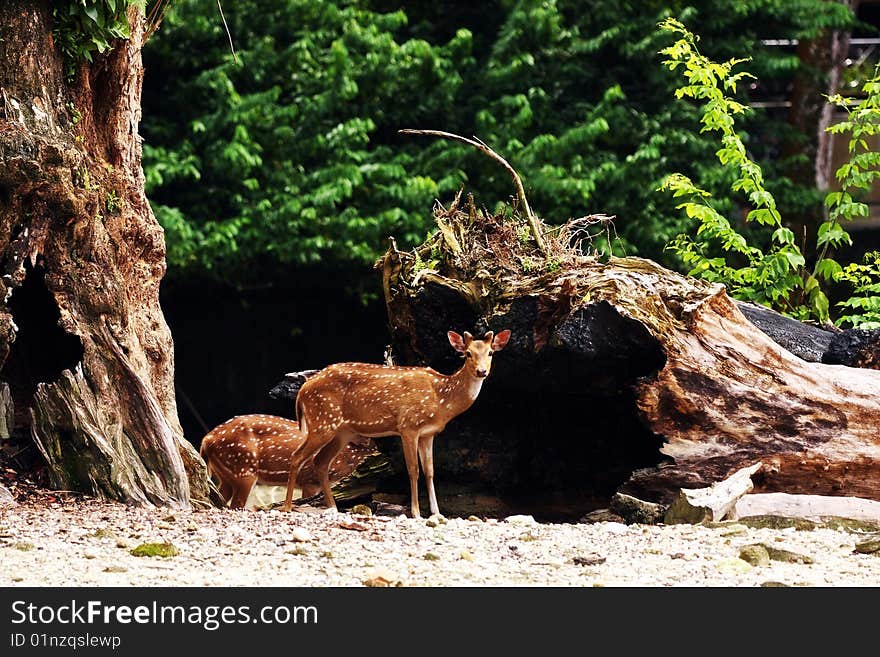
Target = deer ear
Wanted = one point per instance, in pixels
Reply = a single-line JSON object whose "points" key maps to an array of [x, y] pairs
{"points": [[468, 338], [501, 340], [456, 341], [488, 337]]}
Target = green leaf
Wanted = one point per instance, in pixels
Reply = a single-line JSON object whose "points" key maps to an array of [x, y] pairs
{"points": [[828, 269]]}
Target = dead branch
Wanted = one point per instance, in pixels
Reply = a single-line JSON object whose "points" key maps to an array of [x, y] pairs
{"points": [[483, 148]]}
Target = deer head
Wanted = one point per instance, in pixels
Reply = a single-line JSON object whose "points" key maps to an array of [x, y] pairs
{"points": [[478, 353]]}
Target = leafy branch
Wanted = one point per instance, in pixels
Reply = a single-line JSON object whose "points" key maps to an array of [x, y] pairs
{"points": [[770, 277]]}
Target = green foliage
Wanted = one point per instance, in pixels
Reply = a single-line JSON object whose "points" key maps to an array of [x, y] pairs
{"points": [[775, 274], [293, 157], [275, 160], [769, 276], [863, 307], [83, 27], [114, 202]]}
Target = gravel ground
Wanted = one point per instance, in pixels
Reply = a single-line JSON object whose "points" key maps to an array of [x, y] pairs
{"points": [[83, 543]]}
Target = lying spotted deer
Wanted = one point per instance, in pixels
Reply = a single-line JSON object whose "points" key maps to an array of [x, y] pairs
{"points": [[249, 450], [256, 449], [349, 399]]}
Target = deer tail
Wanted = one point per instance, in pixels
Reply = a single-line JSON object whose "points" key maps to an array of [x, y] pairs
{"points": [[205, 452], [303, 425]]}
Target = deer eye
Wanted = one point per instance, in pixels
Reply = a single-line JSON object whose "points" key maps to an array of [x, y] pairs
{"points": [[467, 354]]}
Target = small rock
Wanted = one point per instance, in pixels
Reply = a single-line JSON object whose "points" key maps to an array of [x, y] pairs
{"points": [[851, 525], [327, 554], [155, 550], [353, 526], [734, 530], [465, 555], [170, 518], [361, 510], [387, 509], [588, 560], [755, 555], [298, 551], [787, 556], [634, 510], [430, 556], [23, 546], [777, 522], [90, 555], [192, 527], [122, 543], [528, 536], [101, 532], [301, 535], [435, 521], [115, 569], [677, 555], [733, 567], [868, 547], [381, 577], [773, 584], [600, 515], [521, 520], [475, 519]]}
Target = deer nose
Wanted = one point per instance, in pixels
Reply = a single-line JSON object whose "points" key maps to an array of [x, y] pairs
{"points": [[482, 373]]}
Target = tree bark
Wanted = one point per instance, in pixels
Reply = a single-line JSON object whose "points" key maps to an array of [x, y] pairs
{"points": [[83, 343]]}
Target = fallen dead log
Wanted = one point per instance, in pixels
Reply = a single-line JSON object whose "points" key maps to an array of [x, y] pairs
{"points": [[6, 497], [632, 376], [711, 504], [809, 507], [289, 386]]}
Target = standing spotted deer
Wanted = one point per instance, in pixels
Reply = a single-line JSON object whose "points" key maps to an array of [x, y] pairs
{"points": [[350, 399]]}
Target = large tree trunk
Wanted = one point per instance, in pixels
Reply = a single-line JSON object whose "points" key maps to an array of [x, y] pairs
{"points": [[83, 343], [658, 378]]}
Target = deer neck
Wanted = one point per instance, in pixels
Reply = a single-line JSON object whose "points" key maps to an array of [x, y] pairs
{"points": [[458, 391]]}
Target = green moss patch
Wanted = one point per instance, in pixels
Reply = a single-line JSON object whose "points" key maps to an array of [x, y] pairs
{"points": [[155, 550]]}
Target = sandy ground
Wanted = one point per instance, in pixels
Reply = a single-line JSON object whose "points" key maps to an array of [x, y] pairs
{"points": [[82, 542]]}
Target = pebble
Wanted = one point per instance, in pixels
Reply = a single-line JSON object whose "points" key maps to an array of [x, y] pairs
{"points": [[521, 520], [435, 521], [301, 535], [381, 577], [755, 555]]}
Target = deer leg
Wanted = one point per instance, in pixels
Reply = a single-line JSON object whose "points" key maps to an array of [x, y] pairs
{"points": [[226, 491], [426, 456], [315, 441], [241, 490], [411, 454], [322, 465]]}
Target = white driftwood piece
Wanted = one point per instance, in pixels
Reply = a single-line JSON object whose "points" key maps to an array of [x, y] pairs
{"points": [[714, 503], [810, 507]]}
